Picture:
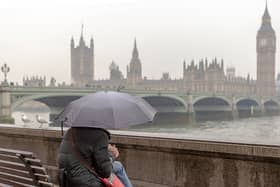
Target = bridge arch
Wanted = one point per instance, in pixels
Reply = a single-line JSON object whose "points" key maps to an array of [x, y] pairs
{"points": [[48, 99], [246, 103], [251, 99], [247, 107], [32, 106], [163, 103], [272, 101], [212, 108], [272, 107], [222, 98]]}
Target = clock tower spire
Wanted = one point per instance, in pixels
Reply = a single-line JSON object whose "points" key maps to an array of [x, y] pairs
{"points": [[266, 49]]}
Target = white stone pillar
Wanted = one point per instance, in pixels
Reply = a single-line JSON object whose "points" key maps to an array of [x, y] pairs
{"points": [[234, 110], [262, 108], [190, 103], [5, 105]]}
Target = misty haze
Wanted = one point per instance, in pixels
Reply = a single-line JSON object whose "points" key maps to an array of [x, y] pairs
{"points": [[188, 92]]}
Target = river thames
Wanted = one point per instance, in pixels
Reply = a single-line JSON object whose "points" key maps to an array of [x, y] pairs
{"points": [[261, 130]]}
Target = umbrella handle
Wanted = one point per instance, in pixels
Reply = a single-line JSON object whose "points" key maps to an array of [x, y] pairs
{"points": [[61, 125]]}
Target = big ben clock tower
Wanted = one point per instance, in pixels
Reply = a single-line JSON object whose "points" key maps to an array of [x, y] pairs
{"points": [[266, 49]]}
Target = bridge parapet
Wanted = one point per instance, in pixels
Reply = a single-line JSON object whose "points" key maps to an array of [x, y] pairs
{"points": [[19, 95]]}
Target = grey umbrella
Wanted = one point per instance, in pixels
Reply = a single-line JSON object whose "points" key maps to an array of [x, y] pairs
{"points": [[108, 110]]}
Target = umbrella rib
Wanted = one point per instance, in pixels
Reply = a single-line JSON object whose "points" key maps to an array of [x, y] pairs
{"points": [[146, 115], [147, 106], [113, 106]]}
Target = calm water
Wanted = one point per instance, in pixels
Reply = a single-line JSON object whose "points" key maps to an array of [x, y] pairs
{"points": [[263, 130]]}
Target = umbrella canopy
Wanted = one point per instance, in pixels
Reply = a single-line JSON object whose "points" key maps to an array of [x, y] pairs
{"points": [[107, 110]]}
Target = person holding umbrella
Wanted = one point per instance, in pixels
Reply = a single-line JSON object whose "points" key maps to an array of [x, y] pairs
{"points": [[83, 159]]}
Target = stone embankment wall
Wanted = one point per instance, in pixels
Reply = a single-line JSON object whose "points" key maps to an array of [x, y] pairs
{"points": [[167, 161]]}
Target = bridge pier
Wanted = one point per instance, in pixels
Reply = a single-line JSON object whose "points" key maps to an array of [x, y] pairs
{"points": [[190, 109], [262, 107], [5, 105], [190, 104], [234, 110]]}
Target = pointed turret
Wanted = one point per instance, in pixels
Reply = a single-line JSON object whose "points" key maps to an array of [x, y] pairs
{"points": [[72, 42], [266, 26], [266, 16], [135, 53], [134, 73], [82, 35], [206, 63], [192, 63], [201, 65], [113, 65], [91, 42]]}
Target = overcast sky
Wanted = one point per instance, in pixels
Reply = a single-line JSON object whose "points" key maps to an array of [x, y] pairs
{"points": [[35, 35]]}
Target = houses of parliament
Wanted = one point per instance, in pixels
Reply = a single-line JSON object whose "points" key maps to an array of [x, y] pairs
{"points": [[206, 75]]}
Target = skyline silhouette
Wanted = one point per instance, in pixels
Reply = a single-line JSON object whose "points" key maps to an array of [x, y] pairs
{"points": [[35, 36]]}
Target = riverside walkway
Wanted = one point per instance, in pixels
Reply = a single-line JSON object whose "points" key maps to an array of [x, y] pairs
{"points": [[166, 161]]}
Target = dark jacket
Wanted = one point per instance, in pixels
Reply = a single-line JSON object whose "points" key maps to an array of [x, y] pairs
{"points": [[93, 145]]}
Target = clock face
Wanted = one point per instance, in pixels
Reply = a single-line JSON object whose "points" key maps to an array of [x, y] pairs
{"points": [[263, 42]]}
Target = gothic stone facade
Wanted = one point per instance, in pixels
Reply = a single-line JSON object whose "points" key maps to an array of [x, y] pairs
{"points": [[211, 76], [34, 81], [82, 62]]}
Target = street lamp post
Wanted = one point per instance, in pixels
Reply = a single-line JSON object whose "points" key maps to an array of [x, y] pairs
{"points": [[5, 69], [5, 98]]}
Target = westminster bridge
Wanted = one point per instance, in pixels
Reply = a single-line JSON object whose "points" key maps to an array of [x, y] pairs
{"points": [[165, 101]]}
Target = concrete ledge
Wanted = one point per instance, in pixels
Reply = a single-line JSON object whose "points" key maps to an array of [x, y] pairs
{"points": [[197, 145], [156, 140], [165, 160]]}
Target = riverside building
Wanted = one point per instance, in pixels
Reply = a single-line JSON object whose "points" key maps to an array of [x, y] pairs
{"points": [[206, 75]]}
